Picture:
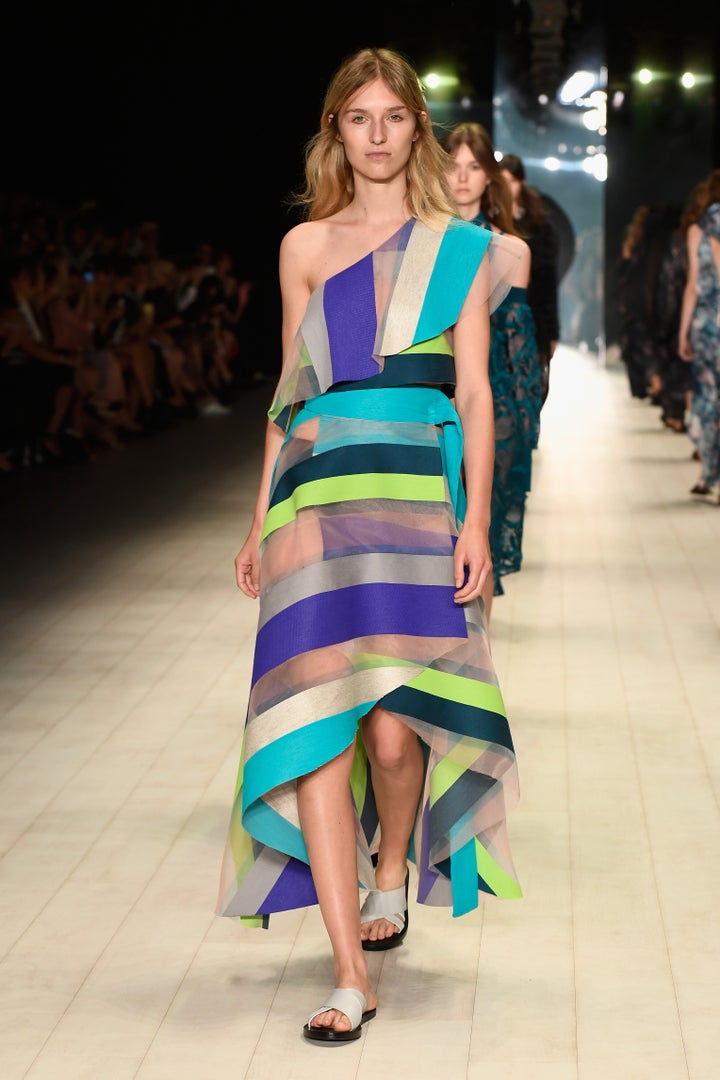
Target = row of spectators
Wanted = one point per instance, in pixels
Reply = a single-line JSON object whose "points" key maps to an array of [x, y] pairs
{"points": [[104, 337]]}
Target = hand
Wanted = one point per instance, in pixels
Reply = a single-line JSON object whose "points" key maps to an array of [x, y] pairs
{"points": [[685, 351], [247, 568], [472, 563]]}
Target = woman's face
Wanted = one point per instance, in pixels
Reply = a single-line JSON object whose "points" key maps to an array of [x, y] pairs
{"points": [[377, 131], [468, 181]]}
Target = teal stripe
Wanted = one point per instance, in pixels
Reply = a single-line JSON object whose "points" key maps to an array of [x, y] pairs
{"points": [[299, 752], [270, 828], [457, 262], [464, 876], [400, 403]]}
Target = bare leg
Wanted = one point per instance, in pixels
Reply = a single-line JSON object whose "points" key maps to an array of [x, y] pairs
{"points": [[140, 366], [60, 409], [175, 367], [398, 771], [327, 820]]}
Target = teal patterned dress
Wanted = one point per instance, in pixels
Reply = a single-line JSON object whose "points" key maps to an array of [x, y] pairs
{"points": [[704, 420], [516, 380], [356, 574]]}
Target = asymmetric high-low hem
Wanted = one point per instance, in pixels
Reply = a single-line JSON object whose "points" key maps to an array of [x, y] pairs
{"points": [[357, 584]]}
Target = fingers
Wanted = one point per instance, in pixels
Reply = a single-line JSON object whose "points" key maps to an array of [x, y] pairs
{"points": [[471, 590], [471, 582], [248, 579]]}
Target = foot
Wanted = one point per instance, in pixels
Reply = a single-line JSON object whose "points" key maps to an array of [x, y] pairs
{"points": [[674, 423], [700, 489], [331, 1023], [384, 914]]}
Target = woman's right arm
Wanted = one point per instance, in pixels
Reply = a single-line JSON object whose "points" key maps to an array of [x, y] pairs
{"points": [[295, 293], [689, 299]]}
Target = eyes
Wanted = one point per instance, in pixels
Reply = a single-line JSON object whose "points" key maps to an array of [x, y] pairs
{"points": [[471, 166], [360, 118]]}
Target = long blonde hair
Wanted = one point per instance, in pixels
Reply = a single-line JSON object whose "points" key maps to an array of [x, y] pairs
{"points": [[329, 183]]}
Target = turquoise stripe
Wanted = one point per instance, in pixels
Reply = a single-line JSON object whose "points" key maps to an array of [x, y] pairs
{"points": [[402, 403], [464, 876], [457, 262], [270, 828], [299, 752]]}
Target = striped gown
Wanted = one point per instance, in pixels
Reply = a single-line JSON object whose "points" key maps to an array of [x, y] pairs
{"points": [[357, 585]]}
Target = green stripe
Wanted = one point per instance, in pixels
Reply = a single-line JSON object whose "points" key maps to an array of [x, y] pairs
{"points": [[337, 489], [459, 689], [359, 775], [439, 344], [444, 777], [500, 882]]}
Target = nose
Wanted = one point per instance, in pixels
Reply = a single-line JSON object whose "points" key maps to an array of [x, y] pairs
{"points": [[377, 133]]}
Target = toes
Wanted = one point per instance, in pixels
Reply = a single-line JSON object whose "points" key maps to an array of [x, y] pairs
{"points": [[332, 1019], [378, 930]]}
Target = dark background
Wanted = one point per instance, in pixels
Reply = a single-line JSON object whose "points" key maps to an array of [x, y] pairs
{"points": [[196, 114]]}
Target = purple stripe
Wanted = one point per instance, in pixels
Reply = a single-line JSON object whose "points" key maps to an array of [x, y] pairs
{"points": [[358, 611], [351, 530], [351, 319], [293, 888]]}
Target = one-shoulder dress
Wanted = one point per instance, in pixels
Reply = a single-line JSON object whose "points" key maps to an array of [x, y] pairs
{"points": [[357, 583]]}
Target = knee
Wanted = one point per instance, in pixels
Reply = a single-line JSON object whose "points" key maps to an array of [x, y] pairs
{"points": [[388, 745], [389, 758]]}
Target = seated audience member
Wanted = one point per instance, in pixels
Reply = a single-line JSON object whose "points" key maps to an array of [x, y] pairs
{"points": [[67, 313], [60, 382]]}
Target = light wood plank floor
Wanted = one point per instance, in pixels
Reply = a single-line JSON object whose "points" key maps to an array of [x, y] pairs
{"points": [[126, 653]]}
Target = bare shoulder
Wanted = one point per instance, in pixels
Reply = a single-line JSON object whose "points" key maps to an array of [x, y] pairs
{"points": [[299, 240], [297, 255], [306, 249]]}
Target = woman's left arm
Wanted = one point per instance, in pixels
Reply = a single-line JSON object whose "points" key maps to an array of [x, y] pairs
{"points": [[474, 403]]}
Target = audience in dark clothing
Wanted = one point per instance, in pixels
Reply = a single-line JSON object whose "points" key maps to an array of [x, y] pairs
{"points": [[103, 336]]}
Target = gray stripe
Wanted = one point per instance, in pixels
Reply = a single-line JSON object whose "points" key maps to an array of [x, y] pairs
{"points": [[249, 897], [361, 568], [315, 335], [410, 290]]}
